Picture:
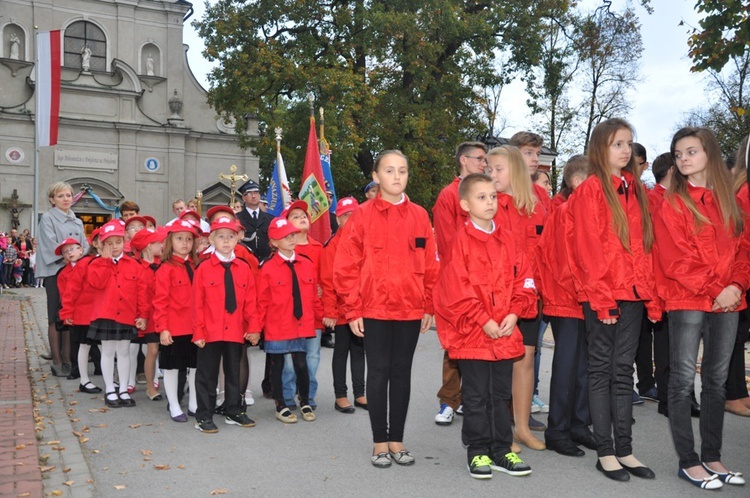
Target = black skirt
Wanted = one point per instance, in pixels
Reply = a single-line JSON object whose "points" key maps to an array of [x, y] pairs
{"points": [[150, 338], [182, 353], [79, 333], [109, 330]]}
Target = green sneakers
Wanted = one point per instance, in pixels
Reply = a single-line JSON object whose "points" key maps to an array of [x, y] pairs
{"points": [[481, 467], [511, 464]]}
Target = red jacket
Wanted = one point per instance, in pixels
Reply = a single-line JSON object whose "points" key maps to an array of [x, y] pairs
{"points": [[487, 276], [555, 282], [212, 322], [332, 303], [275, 303], [448, 217], [527, 229], [603, 271], [543, 196], [313, 250], [386, 264], [149, 274], [63, 276], [697, 263], [173, 298], [556, 202], [120, 290], [78, 296], [241, 252], [655, 198]]}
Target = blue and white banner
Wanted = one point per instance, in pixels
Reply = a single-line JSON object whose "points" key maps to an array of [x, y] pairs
{"points": [[325, 162], [278, 195]]}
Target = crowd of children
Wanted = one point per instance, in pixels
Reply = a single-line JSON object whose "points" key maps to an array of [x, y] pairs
{"points": [[592, 262]]}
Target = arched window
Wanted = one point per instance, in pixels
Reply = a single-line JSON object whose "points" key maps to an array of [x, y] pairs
{"points": [[83, 34]]}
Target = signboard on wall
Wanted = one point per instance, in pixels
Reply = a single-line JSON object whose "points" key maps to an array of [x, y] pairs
{"points": [[85, 159]]}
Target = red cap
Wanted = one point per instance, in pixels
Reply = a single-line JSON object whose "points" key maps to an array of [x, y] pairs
{"points": [[183, 226], [295, 205], [280, 228], [220, 209], [95, 233], [59, 248], [135, 218], [112, 229], [346, 205], [224, 222], [151, 219], [147, 236], [188, 212]]}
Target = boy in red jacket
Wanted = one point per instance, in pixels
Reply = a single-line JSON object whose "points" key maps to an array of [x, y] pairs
{"points": [[225, 316], [485, 286]]}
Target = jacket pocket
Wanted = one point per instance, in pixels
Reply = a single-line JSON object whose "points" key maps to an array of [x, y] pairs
{"points": [[417, 246]]}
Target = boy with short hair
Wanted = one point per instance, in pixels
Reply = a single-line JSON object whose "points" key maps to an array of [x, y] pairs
{"points": [[485, 285]]}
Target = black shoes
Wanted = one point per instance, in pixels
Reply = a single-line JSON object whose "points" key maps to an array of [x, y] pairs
{"points": [[643, 472], [240, 419], [360, 405], [326, 341], [564, 447], [620, 475], [112, 403], [343, 409], [89, 388], [586, 440], [206, 426]]}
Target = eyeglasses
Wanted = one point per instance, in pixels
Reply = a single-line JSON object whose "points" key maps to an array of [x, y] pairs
{"points": [[482, 159], [70, 250]]}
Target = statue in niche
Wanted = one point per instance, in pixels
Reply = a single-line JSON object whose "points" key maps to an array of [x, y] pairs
{"points": [[150, 66], [15, 46], [86, 58]]}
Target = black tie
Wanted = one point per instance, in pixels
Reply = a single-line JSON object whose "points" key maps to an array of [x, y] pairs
{"points": [[295, 292], [255, 216], [189, 271], [230, 300]]}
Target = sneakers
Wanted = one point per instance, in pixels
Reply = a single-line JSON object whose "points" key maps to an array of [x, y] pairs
{"points": [[511, 464], [651, 395], [538, 406], [480, 467], [445, 415], [206, 426], [637, 400], [240, 419], [140, 378], [460, 409], [536, 425]]}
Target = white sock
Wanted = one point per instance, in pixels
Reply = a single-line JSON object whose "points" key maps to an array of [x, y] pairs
{"points": [[132, 363], [192, 394], [83, 363], [170, 387], [109, 348], [123, 365]]}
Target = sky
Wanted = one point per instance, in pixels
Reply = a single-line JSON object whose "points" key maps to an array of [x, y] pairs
{"points": [[666, 92]]}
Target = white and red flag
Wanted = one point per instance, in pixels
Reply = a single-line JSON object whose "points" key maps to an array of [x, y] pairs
{"points": [[47, 86]]}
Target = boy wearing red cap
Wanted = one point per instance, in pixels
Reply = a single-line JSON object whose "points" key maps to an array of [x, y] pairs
{"points": [[288, 308], [71, 251], [225, 316]]}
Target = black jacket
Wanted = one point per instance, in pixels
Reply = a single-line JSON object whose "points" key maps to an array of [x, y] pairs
{"points": [[256, 233]]}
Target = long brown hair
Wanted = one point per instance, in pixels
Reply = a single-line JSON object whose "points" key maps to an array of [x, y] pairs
{"points": [[739, 172], [718, 179], [601, 138], [169, 249]]}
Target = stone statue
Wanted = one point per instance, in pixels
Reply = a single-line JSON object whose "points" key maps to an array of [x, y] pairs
{"points": [[86, 58], [15, 45], [149, 66]]}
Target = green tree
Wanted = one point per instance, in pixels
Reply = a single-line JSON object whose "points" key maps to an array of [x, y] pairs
{"points": [[724, 33], [390, 74]]}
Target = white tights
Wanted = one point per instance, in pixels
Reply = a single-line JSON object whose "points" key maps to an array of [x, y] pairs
{"points": [[122, 350], [83, 362], [170, 387]]}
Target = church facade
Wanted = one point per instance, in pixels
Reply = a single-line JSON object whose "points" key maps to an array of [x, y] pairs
{"points": [[134, 121]]}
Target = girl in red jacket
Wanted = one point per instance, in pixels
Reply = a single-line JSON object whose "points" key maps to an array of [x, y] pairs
{"points": [[77, 305], [523, 214], [225, 316], [486, 284], [148, 245], [384, 272], [173, 315], [347, 344], [608, 235], [288, 309], [122, 307], [297, 215], [704, 271], [70, 251]]}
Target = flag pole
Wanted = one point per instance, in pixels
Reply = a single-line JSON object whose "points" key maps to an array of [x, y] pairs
{"points": [[35, 209]]}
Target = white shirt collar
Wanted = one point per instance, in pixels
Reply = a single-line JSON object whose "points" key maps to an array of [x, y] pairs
{"points": [[482, 229], [251, 211], [293, 258], [224, 259]]}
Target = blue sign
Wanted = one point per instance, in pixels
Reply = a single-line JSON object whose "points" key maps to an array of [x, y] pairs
{"points": [[152, 164]]}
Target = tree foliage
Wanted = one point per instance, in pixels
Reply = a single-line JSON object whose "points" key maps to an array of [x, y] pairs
{"points": [[390, 74], [724, 33]]}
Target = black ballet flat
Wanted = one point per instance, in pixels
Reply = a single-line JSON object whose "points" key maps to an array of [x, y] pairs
{"points": [[621, 475], [360, 405], [343, 409], [643, 472]]}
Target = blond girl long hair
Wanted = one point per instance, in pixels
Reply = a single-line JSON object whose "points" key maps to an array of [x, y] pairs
{"points": [[601, 138], [520, 182]]}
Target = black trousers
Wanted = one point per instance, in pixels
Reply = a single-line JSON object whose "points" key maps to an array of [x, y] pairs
{"points": [[486, 387], [276, 364], [644, 357], [569, 414], [348, 346], [611, 355], [207, 376], [390, 346], [736, 386]]}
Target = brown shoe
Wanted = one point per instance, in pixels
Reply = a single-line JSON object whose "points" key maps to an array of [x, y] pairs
{"points": [[530, 442], [737, 407]]}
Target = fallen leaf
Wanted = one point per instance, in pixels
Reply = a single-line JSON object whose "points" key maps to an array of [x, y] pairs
{"points": [[47, 468], [180, 466], [77, 434], [147, 452], [162, 466], [66, 470], [220, 491], [147, 459], [68, 483], [57, 492], [73, 403], [120, 487], [52, 442], [102, 426], [58, 448], [94, 451], [90, 481], [25, 494], [135, 426], [20, 446], [84, 440]]}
